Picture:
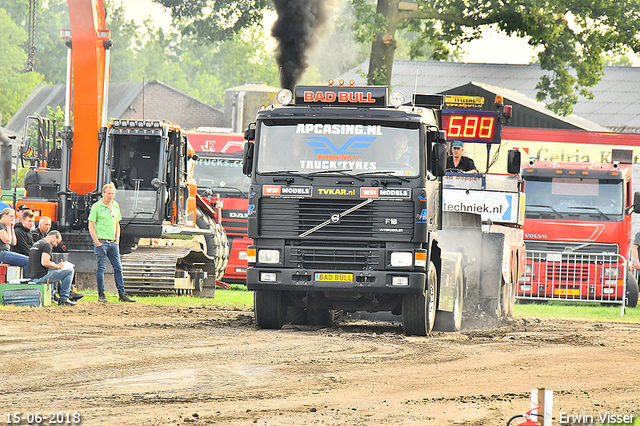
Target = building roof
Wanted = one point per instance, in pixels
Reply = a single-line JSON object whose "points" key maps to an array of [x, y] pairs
{"points": [[121, 96], [615, 103], [526, 111]]}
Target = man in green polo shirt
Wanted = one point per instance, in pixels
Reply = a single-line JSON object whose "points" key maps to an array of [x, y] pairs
{"points": [[104, 227]]}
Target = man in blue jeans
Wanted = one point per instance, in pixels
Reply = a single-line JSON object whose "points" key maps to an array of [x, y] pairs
{"points": [[104, 227], [41, 268]]}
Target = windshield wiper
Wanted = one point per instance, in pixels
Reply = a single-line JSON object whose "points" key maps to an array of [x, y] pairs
{"points": [[342, 172], [590, 208], [545, 207], [295, 173], [231, 188], [383, 172]]}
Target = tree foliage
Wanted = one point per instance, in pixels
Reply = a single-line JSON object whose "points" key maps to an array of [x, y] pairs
{"points": [[203, 67], [216, 20], [15, 85], [572, 36]]}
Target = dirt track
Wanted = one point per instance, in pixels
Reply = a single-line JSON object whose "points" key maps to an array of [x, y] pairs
{"points": [[147, 365]]}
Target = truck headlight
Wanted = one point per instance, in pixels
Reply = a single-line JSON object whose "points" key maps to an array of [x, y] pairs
{"points": [[242, 255], [609, 271], [401, 258], [268, 256]]}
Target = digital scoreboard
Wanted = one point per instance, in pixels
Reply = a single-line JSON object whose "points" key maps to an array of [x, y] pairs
{"points": [[471, 125]]}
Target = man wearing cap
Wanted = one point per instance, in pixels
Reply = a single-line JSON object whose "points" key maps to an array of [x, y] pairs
{"points": [[457, 161]]}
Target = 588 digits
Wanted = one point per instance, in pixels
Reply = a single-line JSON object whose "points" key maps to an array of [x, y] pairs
{"points": [[470, 127]]}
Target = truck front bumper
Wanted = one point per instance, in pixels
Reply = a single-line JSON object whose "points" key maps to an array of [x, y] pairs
{"points": [[289, 279]]}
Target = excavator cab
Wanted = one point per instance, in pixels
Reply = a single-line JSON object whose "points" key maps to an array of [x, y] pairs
{"points": [[147, 162]]}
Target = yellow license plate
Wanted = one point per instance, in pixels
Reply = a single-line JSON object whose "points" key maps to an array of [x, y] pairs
{"points": [[343, 278], [566, 292]]}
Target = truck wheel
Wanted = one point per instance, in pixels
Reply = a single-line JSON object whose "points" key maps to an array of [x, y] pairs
{"points": [[419, 310], [632, 291], [452, 321], [269, 309], [223, 248], [323, 317], [213, 241], [296, 315]]}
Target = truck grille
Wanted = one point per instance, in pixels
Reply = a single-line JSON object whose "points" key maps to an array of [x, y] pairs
{"points": [[234, 226], [568, 273], [571, 247], [380, 220], [335, 259]]}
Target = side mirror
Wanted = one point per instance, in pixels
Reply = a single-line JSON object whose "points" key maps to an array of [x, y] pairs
{"points": [[438, 166], [636, 202], [513, 162], [250, 132], [247, 158]]}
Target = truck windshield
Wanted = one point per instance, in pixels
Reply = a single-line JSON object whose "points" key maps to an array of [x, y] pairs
{"points": [[573, 196], [345, 148], [212, 172]]}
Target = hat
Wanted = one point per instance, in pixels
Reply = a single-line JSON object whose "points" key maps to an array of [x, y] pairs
{"points": [[456, 144], [22, 207]]}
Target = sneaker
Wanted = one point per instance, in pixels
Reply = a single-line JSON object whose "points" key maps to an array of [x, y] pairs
{"points": [[124, 298], [66, 302], [102, 298], [73, 296]]}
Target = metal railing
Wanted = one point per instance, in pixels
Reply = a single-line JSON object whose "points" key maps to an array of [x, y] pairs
{"points": [[574, 277]]}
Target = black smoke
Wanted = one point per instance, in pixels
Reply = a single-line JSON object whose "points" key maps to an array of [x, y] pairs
{"points": [[295, 30]]}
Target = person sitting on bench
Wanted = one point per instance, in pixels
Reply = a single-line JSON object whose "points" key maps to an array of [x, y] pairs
{"points": [[41, 269]]}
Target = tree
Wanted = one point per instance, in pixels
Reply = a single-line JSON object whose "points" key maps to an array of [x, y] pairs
{"points": [[572, 35], [15, 85], [216, 20]]}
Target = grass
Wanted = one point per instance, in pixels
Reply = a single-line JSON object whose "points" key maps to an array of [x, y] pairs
{"points": [[578, 310]]}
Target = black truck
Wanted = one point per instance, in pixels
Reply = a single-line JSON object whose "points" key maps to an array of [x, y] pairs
{"points": [[345, 207]]}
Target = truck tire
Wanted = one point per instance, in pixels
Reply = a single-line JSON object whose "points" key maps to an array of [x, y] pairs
{"points": [[223, 250], [419, 310], [452, 321], [216, 243], [324, 317], [269, 309], [296, 315], [632, 291]]}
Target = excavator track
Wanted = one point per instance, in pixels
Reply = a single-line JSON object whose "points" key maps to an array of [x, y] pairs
{"points": [[165, 270]]}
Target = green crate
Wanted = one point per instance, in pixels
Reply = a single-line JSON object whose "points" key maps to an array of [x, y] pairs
{"points": [[45, 290]]}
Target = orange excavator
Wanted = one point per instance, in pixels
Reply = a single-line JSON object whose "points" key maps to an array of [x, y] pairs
{"points": [[171, 240]]}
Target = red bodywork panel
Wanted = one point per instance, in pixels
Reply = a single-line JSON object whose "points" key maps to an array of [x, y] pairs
{"points": [[234, 210], [211, 143]]}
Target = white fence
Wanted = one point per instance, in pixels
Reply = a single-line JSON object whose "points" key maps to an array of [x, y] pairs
{"points": [[574, 277]]}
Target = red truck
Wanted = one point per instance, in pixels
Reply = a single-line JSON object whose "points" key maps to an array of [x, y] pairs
{"points": [[218, 172], [577, 231]]}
